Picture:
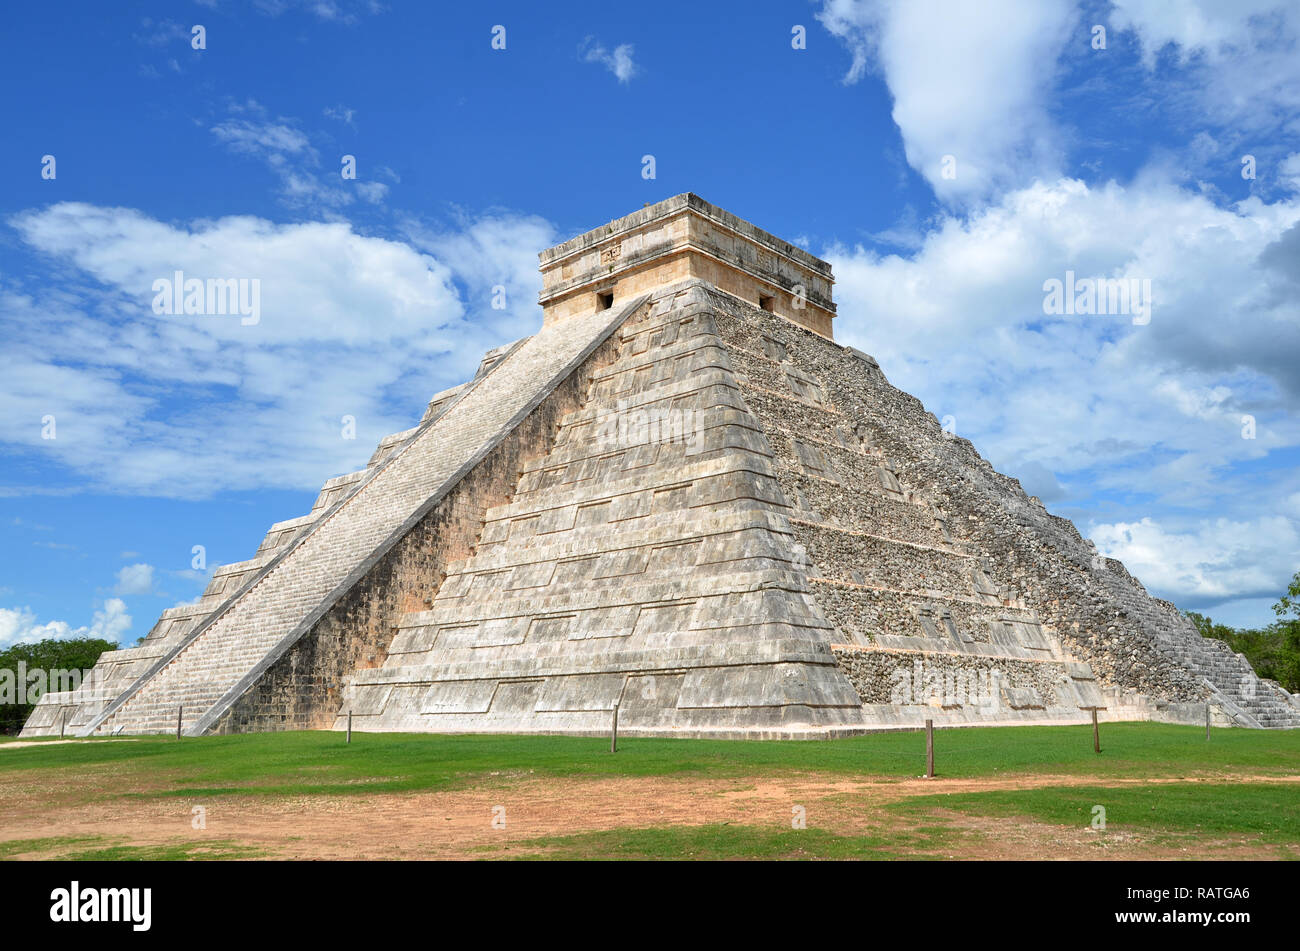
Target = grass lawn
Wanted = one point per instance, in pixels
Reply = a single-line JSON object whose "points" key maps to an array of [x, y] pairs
{"points": [[716, 842], [1267, 817], [320, 762], [93, 848], [991, 782]]}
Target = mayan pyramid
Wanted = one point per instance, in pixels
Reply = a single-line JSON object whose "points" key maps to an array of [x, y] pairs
{"points": [[679, 496]]}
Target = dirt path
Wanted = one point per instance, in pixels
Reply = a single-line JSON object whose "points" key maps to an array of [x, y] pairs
{"points": [[21, 744], [460, 823]]}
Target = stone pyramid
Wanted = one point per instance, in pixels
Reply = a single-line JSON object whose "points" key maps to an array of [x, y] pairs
{"points": [[680, 496]]}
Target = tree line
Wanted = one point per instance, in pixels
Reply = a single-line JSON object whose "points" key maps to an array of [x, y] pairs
{"points": [[51, 654]]}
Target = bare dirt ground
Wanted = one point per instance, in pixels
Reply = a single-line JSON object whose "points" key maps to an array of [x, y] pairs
{"points": [[460, 823]]}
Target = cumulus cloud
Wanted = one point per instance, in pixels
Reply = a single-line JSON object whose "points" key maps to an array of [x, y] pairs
{"points": [[1230, 64], [192, 405], [1088, 409], [969, 302], [20, 626], [619, 62], [135, 579], [1209, 562], [977, 94], [969, 81]]}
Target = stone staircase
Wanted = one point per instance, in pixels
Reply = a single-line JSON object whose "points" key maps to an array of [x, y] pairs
{"points": [[223, 657], [1235, 687], [1241, 694], [117, 670]]}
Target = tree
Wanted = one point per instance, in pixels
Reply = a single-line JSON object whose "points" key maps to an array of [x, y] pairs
{"points": [[1287, 625], [74, 653], [1208, 628]]}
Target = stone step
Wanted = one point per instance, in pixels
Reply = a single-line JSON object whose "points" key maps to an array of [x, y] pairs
{"points": [[205, 671]]}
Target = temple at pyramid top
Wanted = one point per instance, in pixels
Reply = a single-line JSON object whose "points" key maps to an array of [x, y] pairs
{"points": [[678, 238]]}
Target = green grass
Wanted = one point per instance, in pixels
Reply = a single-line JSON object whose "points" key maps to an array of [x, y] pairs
{"points": [[44, 847], [1165, 814], [726, 841], [296, 764], [93, 848], [208, 850], [1269, 812], [320, 762]]}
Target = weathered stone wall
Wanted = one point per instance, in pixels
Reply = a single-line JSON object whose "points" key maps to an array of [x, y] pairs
{"points": [[916, 541], [914, 679], [1040, 559], [680, 238], [657, 573]]}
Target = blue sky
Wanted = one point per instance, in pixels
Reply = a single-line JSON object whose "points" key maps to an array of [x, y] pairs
{"points": [[947, 158]]}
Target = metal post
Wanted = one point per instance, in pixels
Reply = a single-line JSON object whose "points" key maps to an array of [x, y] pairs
{"points": [[613, 733], [929, 749], [349, 726], [63, 721], [1207, 719], [1096, 734], [179, 710]]}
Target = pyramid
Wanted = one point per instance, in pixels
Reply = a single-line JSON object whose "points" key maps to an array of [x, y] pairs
{"points": [[683, 498]]}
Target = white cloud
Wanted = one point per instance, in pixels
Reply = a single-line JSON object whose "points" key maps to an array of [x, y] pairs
{"points": [[306, 184], [619, 62], [1083, 405], [373, 192], [19, 625], [968, 303], [341, 113], [1209, 562], [272, 141], [1209, 27], [135, 579], [162, 32], [188, 406], [1238, 60], [494, 250], [320, 282], [968, 80], [346, 12]]}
